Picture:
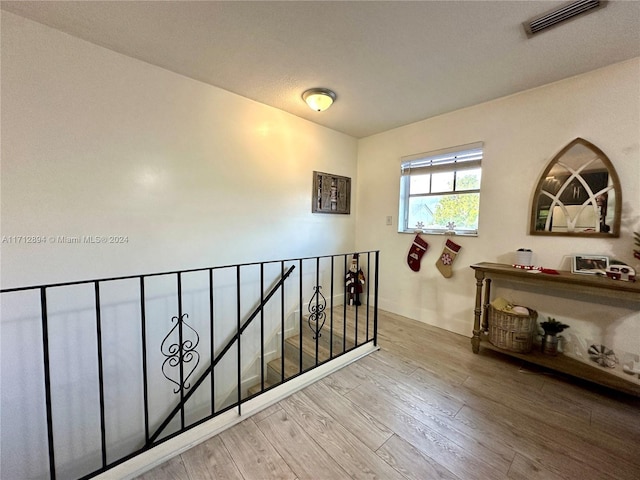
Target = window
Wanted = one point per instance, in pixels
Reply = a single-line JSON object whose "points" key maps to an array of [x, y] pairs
{"points": [[440, 191]]}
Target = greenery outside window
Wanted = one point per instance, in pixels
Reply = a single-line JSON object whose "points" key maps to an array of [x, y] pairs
{"points": [[440, 191]]}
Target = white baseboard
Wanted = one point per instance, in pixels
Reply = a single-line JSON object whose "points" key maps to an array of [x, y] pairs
{"points": [[177, 445]]}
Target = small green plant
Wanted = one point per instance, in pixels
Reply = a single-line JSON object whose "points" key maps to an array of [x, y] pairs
{"points": [[552, 326]]}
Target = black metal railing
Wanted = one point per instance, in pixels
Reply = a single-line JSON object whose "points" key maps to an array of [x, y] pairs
{"points": [[129, 362]]}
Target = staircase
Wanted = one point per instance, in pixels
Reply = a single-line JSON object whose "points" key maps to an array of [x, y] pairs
{"points": [[302, 352]]}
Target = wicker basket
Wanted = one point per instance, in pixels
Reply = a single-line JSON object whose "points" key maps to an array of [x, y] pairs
{"points": [[510, 331]]}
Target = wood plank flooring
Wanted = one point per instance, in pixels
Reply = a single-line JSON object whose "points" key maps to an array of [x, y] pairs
{"points": [[425, 407]]}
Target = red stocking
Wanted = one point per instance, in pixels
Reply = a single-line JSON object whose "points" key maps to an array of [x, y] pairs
{"points": [[418, 248]]}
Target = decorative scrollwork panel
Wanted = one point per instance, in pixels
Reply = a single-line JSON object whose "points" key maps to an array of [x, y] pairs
{"points": [[317, 316], [179, 348]]}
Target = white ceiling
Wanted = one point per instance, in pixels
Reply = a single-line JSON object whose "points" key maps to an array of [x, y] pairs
{"points": [[390, 63]]}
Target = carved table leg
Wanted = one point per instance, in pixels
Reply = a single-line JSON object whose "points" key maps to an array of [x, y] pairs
{"points": [[475, 340], [485, 305]]}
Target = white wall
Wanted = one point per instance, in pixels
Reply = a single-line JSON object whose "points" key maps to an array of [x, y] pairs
{"points": [[96, 143], [521, 134]]}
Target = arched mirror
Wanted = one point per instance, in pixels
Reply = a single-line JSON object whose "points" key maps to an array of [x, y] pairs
{"points": [[578, 194]]}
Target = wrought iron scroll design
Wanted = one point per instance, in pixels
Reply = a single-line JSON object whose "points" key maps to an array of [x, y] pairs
{"points": [[317, 316], [180, 354]]}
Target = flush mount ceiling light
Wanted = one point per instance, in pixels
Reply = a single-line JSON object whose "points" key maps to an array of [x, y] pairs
{"points": [[319, 99], [561, 14]]}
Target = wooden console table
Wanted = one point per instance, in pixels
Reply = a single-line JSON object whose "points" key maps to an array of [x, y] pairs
{"points": [[584, 284]]}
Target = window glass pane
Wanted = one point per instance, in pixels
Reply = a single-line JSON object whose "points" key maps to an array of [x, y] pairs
{"points": [[461, 209], [468, 180], [442, 182], [439, 211], [421, 210], [419, 184]]}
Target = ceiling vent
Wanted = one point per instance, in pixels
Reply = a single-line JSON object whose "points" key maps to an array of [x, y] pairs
{"points": [[562, 14]]}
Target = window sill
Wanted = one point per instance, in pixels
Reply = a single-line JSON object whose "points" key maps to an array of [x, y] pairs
{"points": [[440, 232]]}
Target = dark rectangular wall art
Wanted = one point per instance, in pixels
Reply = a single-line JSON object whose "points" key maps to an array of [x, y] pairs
{"points": [[331, 193]]}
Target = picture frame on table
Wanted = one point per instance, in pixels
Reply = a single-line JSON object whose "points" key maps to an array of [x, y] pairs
{"points": [[589, 264]]}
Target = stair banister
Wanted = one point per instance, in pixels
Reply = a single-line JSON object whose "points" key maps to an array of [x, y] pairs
{"points": [[115, 308], [207, 371]]}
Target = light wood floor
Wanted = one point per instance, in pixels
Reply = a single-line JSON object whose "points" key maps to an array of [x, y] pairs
{"points": [[425, 407]]}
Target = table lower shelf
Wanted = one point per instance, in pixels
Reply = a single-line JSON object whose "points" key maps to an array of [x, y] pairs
{"points": [[575, 368]]}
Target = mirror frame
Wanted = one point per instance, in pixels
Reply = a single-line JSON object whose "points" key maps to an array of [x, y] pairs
{"points": [[615, 228]]}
